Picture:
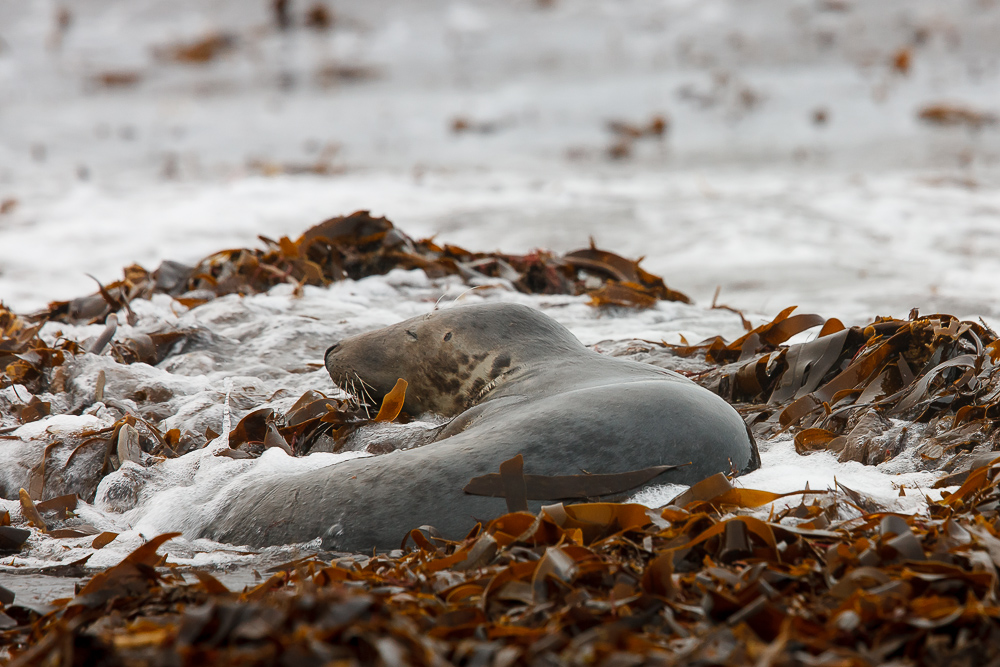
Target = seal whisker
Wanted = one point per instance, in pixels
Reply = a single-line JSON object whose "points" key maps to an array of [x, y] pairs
{"points": [[367, 396], [363, 383], [437, 303], [352, 392], [460, 296], [358, 402], [365, 386]]}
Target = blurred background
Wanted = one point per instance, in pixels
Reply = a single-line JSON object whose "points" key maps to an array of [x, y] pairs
{"points": [[836, 154]]}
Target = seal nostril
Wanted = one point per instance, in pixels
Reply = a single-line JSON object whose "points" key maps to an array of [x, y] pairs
{"points": [[447, 336], [332, 348]]}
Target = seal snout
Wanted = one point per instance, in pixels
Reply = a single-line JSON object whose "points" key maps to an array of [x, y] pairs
{"points": [[330, 350]]}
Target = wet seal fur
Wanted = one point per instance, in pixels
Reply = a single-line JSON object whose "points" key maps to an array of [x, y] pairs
{"points": [[515, 382]]}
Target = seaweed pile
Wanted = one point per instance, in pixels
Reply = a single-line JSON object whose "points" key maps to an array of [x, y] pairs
{"points": [[928, 384], [702, 581], [356, 246]]}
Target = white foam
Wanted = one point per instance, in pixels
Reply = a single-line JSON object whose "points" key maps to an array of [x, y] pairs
{"points": [[55, 426]]}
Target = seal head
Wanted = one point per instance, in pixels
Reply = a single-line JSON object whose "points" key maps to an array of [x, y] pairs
{"points": [[449, 358]]}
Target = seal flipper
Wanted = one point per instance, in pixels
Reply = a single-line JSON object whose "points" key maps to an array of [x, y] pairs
{"points": [[469, 418]]}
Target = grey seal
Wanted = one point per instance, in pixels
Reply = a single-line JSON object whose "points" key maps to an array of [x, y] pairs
{"points": [[514, 381]]}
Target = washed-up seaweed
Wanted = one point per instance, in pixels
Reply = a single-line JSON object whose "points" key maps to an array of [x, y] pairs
{"points": [[356, 246], [25, 358], [709, 579], [847, 389], [200, 51], [313, 419], [955, 114], [626, 134]]}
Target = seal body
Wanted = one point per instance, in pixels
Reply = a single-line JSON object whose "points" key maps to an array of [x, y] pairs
{"points": [[514, 382]]}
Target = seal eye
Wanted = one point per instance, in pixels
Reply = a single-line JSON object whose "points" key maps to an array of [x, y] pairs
{"points": [[447, 336], [411, 334]]}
